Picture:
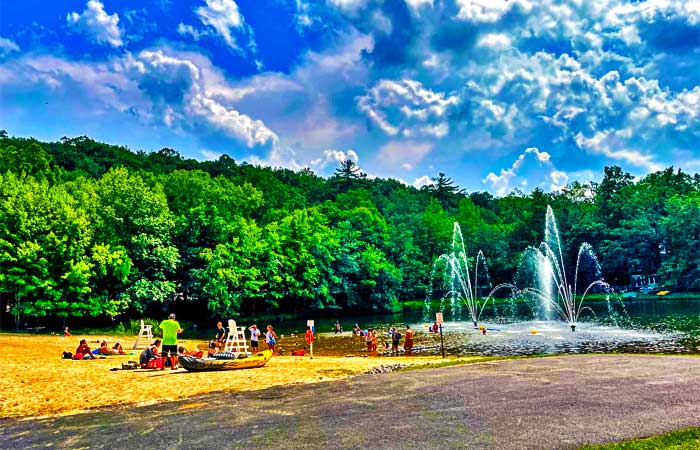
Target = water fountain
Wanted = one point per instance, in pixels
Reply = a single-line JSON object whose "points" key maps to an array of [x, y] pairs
{"points": [[461, 288], [546, 312], [554, 291]]}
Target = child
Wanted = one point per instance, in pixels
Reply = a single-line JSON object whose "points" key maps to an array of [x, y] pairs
{"points": [[271, 338]]}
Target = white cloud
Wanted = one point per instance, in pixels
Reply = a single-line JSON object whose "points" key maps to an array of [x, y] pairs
{"points": [[96, 23], [532, 168], [334, 157], [406, 107], [7, 46], [403, 153], [241, 126], [417, 5], [495, 40], [189, 30], [222, 18], [210, 155], [488, 10], [606, 143], [348, 6], [422, 181]]}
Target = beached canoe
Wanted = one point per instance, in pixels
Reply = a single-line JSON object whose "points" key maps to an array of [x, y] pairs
{"points": [[199, 364]]}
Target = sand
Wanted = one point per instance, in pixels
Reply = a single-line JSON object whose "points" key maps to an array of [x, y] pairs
{"points": [[37, 382]]}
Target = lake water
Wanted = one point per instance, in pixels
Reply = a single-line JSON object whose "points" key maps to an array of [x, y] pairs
{"points": [[637, 326]]}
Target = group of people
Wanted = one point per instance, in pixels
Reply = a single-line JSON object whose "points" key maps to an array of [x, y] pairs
{"points": [[156, 357], [395, 336], [370, 336], [220, 339], [83, 351]]}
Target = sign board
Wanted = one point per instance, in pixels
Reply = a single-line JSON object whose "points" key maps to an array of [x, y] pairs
{"points": [[309, 323], [438, 318]]}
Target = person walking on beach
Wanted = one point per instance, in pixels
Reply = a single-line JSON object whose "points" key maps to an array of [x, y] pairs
{"points": [[254, 337], [408, 342], [171, 328], [271, 338]]}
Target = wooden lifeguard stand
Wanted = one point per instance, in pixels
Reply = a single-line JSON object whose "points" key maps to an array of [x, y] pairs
{"points": [[235, 339], [144, 331]]}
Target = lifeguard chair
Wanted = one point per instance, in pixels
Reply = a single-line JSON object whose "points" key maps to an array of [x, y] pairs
{"points": [[144, 331], [235, 339]]}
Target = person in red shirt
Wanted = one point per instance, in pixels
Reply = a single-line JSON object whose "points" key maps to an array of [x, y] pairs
{"points": [[83, 351]]}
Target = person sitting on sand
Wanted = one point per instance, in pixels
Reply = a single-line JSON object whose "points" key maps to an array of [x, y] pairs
{"points": [[356, 330], [212, 349], [300, 352], [434, 328], [149, 353], [105, 349], [118, 349], [196, 353], [66, 333], [83, 351], [338, 327]]}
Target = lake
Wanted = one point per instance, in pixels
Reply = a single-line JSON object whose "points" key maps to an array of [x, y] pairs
{"points": [[635, 325]]}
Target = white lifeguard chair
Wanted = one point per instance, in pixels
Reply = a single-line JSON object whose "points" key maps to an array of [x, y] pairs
{"points": [[235, 339], [144, 331]]}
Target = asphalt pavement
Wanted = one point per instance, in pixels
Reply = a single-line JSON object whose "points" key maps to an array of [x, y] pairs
{"points": [[541, 403]]}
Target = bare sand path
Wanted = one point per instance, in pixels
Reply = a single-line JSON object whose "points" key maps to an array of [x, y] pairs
{"points": [[544, 403]]}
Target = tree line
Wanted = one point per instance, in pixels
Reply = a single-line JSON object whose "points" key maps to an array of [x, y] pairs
{"points": [[89, 229]]}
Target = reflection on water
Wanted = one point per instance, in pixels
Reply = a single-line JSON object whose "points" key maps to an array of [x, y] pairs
{"points": [[642, 326]]}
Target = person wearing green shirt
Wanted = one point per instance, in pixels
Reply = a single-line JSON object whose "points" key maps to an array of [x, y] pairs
{"points": [[170, 329]]}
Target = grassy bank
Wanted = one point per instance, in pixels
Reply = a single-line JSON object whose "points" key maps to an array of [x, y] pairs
{"points": [[688, 439]]}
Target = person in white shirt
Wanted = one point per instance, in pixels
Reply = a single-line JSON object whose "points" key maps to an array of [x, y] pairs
{"points": [[254, 336]]}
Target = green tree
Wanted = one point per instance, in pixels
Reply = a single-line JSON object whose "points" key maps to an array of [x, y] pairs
{"points": [[135, 216], [681, 248]]}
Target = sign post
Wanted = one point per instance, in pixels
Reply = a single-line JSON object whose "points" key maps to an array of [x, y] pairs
{"points": [[310, 336], [438, 319]]}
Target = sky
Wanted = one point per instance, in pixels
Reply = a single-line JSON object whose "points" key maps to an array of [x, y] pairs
{"points": [[497, 94]]}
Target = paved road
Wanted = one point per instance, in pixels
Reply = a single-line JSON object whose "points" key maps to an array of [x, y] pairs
{"points": [[544, 403]]}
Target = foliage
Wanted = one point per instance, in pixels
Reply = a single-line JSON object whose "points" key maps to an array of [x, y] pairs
{"points": [[94, 230], [687, 439]]}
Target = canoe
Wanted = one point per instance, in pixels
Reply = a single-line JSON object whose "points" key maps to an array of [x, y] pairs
{"points": [[200, 364]]}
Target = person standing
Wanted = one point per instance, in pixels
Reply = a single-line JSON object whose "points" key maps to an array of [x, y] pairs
{"points": [[408, 342], [271, 338], [220, 335], [254, 337], [171, 328], [395, 338]]}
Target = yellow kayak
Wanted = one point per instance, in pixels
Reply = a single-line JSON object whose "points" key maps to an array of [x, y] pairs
{"points": [[241, 362]]}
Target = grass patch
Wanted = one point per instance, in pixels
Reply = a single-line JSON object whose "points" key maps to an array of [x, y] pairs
{"points": [[687, 439]]}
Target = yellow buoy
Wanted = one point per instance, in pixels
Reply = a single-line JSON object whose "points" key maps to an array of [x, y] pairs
{"points": [[533, 331]]}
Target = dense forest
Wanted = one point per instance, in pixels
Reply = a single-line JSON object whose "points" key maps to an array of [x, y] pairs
{"points": [[94, 230]]}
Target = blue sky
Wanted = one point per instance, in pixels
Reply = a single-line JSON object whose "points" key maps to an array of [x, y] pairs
{"points": [[497, 94]]}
